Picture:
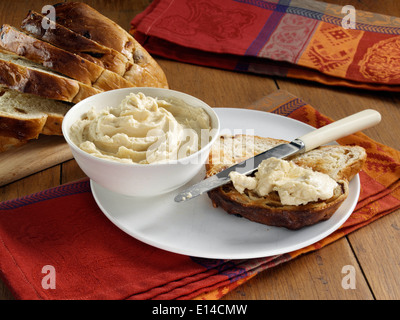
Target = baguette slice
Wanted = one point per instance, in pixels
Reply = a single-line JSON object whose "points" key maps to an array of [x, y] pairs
{"points": [[341, 163], [60, 60], [23, 117], [29, 77]]}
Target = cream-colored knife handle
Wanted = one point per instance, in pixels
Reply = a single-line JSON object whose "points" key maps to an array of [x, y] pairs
{"points": [[341, 128]]}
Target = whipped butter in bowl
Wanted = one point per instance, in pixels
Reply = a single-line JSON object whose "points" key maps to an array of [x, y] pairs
{"points": [[141, 141], [142, 130]]}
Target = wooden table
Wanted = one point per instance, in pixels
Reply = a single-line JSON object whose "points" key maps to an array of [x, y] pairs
{"points": [[374, 250]]}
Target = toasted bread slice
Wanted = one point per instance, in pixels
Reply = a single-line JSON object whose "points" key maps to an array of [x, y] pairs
{"points": [[341, 163]]}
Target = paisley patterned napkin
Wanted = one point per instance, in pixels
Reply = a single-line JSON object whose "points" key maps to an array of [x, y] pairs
{"points": [[302, 39]]}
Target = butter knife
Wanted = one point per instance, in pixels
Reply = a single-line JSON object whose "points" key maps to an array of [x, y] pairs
{"points": [[331, 132]]}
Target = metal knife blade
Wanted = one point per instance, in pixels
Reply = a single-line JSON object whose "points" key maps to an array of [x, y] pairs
{"points": [[245, 167]]}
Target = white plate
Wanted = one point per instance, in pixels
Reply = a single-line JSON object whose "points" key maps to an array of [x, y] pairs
{"points": [[197, 229]]}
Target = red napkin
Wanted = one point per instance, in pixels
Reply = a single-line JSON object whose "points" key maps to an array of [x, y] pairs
{"points": [[59, 236], [290, 38]]}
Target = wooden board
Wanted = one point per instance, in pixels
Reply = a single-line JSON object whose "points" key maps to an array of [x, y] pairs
{"points": [[36, 155]]}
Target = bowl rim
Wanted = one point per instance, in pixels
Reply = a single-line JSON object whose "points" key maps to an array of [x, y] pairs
{"points": [[185, 160]]}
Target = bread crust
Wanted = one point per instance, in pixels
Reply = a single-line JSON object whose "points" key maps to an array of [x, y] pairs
{"points": [[99, 40], [21, 129], [48, 55], [7, 143], [32, 81], [262, 211], [268, 209], [53, 124], [15, 132], [68, 40], [141, 77], [109, 80], [60, 60], [88, 22]]}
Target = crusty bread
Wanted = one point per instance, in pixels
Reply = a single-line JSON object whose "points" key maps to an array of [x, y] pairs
{"points": [[29, 77], [59, 60], [84, 31], [23, 117], [66, 39], [88, 22], [341, 163]]}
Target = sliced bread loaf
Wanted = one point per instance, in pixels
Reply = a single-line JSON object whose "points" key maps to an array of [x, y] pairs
{"points": [[341, 163], [60, 60], [29, 77], [88, 22], [86, 32], [68, 40]]}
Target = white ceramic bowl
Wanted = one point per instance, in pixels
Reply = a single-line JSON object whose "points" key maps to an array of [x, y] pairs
{"points": [[138, 179]]}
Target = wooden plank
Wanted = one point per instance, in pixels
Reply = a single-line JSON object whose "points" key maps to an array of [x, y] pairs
{"points": [[13, 12], [37, 182], [377, 250], [120, 11], [36, 155], [383, 7], [70, 171], [338, 103], [218, 88], [314, 276]]}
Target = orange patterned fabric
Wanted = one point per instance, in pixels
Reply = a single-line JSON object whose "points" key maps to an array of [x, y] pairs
{"points": [[302, 39], [380, 181]]}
